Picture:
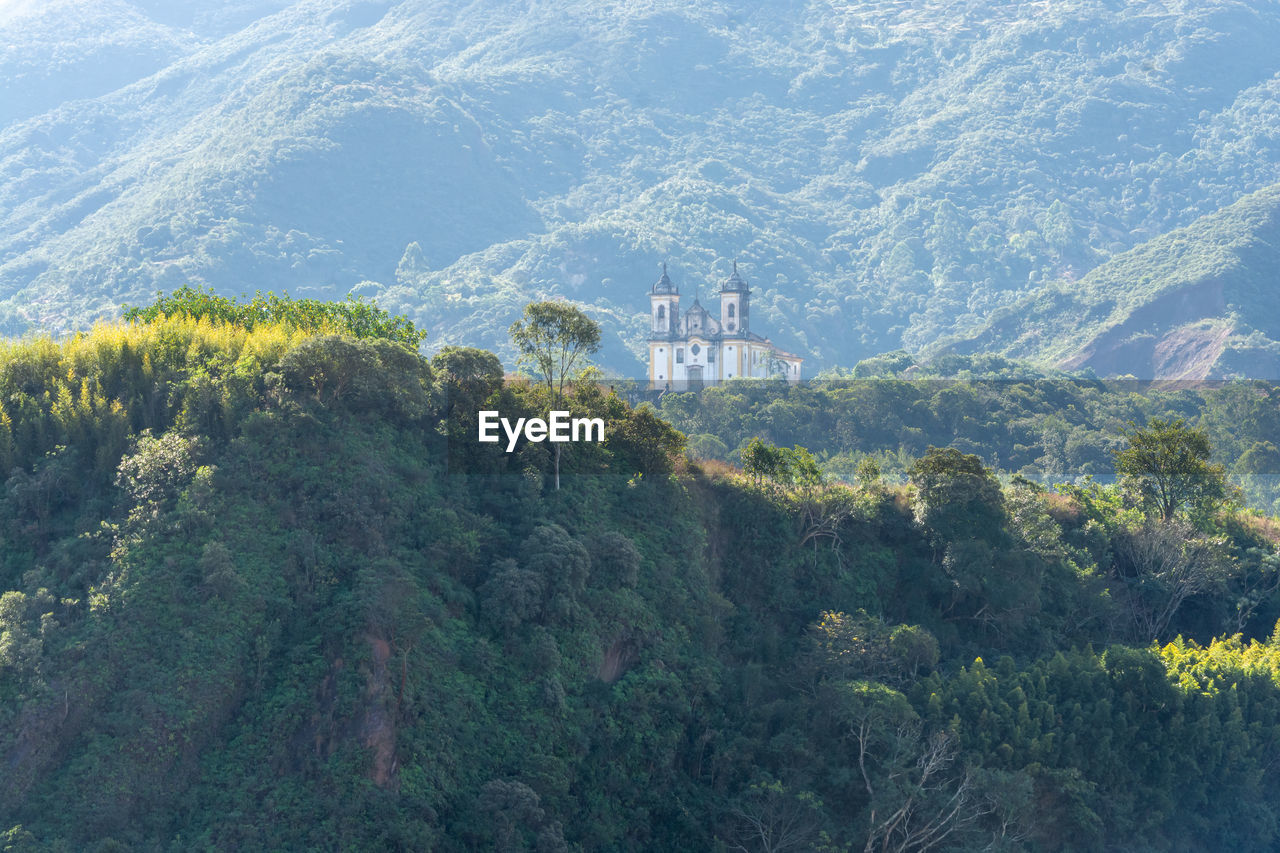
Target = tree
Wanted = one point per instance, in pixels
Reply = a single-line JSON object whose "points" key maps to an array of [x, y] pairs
{"points": [[516, 819], [1167, 465], [331, 368], [861, 646], [801, 468], [560, 560], [783, 465], [775, 367], [917, 797], [956, 496], [707, 446], [555, 338], [1165, 563], [644, 443], [760, 460], [512, 596], [467, 376], [868, 473], [154, 476], [615, 560], [22, 630], [963, 512], [769, 818]]}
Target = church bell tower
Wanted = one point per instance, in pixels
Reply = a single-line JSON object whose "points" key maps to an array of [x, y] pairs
{"points": [[735, 303], [664, 312], [664, 304]]}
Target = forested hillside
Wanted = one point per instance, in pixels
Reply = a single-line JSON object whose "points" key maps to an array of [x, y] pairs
{"points": [[263, 590], [887, 173], [1046, 428], [1194, 303]]}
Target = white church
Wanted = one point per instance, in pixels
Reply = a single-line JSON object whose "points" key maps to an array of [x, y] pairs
{"points": [[689, 350]]}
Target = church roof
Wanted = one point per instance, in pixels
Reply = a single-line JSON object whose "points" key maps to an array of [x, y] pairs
{"points": [[735, 283], [664, 285]]}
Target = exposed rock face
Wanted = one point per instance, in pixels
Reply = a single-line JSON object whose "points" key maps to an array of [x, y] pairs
{"points": [[377, 728], [619, 657], [1178, 335]]}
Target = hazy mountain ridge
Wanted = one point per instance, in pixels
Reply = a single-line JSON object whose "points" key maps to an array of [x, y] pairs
{"points": [[886, 175], [1196, 303], [63, 51]]}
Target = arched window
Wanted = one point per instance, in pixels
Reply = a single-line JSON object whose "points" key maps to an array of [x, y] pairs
{"points": [[662, 312], [679, 355], [733, 310]]}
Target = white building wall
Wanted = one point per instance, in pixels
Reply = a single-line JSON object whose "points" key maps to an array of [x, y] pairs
{"points": [[735, 357]]}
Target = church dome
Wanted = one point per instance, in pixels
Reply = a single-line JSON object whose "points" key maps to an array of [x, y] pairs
{"points": [[734, 283], [664, 285]]}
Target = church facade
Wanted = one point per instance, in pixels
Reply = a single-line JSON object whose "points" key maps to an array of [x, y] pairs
{"points": [[689, 349]]}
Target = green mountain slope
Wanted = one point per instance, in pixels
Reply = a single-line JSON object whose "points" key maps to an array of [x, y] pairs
{"points": [[1198, 302], [259, 589], [888, 174]]}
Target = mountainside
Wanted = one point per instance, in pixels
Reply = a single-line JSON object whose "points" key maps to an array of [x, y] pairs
{"points": [[259, 589], [1199, 302], [887, 173]]}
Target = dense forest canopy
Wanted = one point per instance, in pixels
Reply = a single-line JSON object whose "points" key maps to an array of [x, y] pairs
{"points": [[1047, 429], [888, 174], [259, 589]]}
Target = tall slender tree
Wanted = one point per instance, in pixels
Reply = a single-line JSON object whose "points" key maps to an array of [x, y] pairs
{"points": [[556, 340]]}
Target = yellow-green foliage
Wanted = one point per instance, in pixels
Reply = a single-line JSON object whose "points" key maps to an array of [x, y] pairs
{"points": [[94, 388], [1224, 665]]}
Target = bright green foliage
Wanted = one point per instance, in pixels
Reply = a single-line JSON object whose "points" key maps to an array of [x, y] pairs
{"points": [[1158, 744], [354, 316], [868, 473], [759, 460]]}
